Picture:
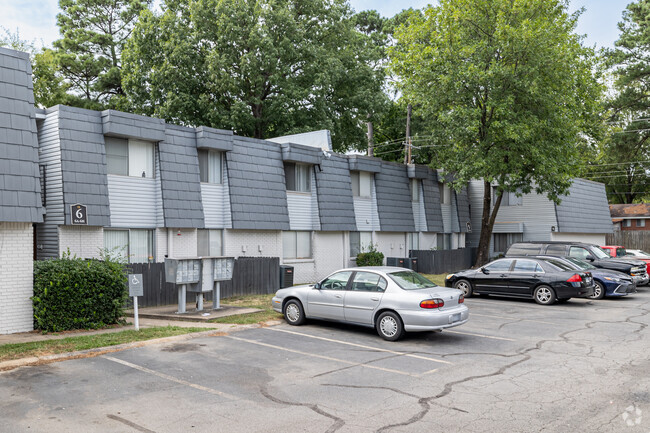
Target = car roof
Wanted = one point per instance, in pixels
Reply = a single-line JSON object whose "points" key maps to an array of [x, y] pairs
{"points": [[553, 243], [376, 268]]}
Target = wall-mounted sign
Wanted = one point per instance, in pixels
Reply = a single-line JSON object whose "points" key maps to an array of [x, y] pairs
{"points": [[78, 215]]}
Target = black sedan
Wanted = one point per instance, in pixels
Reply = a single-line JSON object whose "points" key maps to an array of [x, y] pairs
{"points": [[544, 280]]}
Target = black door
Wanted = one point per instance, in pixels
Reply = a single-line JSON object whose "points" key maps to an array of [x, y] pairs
{"points": [[524, 276], [493, 277]]}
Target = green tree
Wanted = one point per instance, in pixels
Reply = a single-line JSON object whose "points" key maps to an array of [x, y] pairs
{"points": [[509, 91], [624, 157], [263, 68], [88, 56]]}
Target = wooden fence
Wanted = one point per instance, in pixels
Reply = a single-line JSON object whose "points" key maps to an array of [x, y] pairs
{"points": [[251, 276], [634, 240], [444, 261]]}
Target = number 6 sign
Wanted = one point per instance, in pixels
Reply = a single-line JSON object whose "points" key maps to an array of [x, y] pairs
{"points": [[78, 214]]}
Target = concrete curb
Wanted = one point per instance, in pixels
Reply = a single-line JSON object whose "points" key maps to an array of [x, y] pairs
{"points": [[98, 351]]}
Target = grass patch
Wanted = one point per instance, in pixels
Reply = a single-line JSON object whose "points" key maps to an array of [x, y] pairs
{"points": [[84, 342], [439, 279], [262, 302]]}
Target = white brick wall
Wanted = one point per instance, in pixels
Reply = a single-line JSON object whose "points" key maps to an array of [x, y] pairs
{"points": [[160, 242], [83, 242], [391, 244], [16, 277], [252, 243], [428, 241], [183, 243], [329, 250]]}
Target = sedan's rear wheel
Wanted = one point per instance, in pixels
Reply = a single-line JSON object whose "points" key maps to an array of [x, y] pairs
{"points": [[544, 295], [465, 286], [599, 291], [389, 326], [293, 313]]}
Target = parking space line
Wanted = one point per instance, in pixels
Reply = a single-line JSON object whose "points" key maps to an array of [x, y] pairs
{"points": [[479, 335], [378, 349], [173, 379], [513, 318], [313, 355]]}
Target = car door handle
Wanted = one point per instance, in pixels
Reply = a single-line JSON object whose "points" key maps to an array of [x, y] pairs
{"points": [[503, 275], [374, 299], [338, 296]]}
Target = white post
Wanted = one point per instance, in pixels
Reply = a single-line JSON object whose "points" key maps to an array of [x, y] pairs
{"points": [[181, 298], [199, 302], [216, 295], [135, 313]]}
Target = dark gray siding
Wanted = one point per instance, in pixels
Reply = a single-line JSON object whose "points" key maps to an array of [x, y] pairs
{"points": [[462, 202], [83, 163], [180, 180], [258, 197], [20, 189], [432, 202], [364, 163], [299, 153], [335, 203], [585, 209], [394, 198], [216, 139], [127, 125], [417, 171]]}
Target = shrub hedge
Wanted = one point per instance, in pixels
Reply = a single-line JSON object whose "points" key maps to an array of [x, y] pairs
{"points": [[372, 257], [73, 293]]}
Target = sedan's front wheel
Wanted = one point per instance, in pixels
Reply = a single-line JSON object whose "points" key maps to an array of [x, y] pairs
{"points": [[464, 286], [599, 291], [293, 313], [389, 326], [544, 295]]}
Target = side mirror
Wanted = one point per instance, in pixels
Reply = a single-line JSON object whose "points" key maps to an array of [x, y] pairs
{"points": [[590, 258], [317, 286], [485, 271]]}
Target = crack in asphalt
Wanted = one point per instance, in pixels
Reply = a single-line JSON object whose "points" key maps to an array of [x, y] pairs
{"points": [[338, 422], [336, 370]]}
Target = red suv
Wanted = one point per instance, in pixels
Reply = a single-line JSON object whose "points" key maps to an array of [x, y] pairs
{"points": [[614, 250]]}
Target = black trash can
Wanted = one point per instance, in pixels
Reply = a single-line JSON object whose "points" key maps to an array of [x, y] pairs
{"points": [[414, 263], [400, 262], [286, 276]]}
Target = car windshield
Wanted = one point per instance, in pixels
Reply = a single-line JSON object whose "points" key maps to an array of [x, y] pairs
{"points": [[639, 253], [559, 265], [410, 280], [599, 253], [580, 263]]}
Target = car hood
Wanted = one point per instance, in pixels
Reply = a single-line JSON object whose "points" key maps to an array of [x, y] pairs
{"points": [[625, 261]]}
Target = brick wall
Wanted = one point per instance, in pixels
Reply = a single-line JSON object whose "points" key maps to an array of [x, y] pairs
{"points": [[83, 242], [249, 242], [16, 277], [183, 243]]}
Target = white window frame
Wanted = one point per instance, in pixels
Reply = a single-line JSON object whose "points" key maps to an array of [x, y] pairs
{"points": [[291, 247], [127, 254], [210, 166], [301, 181], [414, 240], [132, 167], [627, 223], [364, 243], [415, 190], [640, 222], [445, 193], [213, 242], [361, 184]]}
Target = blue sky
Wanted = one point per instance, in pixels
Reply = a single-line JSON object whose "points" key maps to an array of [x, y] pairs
{"points": [[36, 19]]}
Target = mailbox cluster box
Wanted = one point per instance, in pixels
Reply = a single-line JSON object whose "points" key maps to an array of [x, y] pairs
{"points": [[182, 271], [222, 268]]}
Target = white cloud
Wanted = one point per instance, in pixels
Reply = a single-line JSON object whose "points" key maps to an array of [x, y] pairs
{"points": [[35, 20]]}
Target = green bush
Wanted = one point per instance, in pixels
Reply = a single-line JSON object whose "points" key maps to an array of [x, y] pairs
{"points": [[73, 293], [372, 257]]}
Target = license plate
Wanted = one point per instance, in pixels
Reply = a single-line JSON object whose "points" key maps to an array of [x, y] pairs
{"points": [[454, 318]]}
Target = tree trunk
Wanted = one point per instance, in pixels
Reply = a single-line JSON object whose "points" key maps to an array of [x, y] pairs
{"points": [[487, 224]]}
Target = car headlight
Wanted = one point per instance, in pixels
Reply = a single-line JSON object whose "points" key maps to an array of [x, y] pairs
{"points": [[449, 276], [617, 280]]}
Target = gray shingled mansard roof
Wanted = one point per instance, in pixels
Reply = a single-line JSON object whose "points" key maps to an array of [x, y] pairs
{"points": [[462, 202], [258, 193], [394, 198], [179, 178], [585, 209], [20, 188], [334, 188], [432, 202]]}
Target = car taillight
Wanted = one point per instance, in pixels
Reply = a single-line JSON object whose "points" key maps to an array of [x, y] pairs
{"points": [[432, 303], [574, 279], [461, 298]]}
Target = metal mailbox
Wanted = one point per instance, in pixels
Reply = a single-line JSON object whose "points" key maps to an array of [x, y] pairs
{"points": [[182, 271], [222, 267]]}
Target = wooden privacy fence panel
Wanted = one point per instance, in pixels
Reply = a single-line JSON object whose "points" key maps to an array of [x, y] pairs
{"points": [[444, 261], [634, 240], [251, 276]]}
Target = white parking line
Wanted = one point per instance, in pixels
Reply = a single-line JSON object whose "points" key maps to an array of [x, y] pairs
{"points": [[328, 358], [173, 379], [479, 335], [378, 349], [513, 318]]}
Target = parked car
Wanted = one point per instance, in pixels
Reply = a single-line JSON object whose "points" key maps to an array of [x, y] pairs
{"points": [[606, 281], [640, 255], [545, 280], [585, 251], [390, 299], [614, 250]]}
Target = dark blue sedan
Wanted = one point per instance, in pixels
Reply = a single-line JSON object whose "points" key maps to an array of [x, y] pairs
{"points": [[607, 282]]}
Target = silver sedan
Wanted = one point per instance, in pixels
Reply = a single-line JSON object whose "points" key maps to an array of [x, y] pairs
{"points": [[392, 300]]}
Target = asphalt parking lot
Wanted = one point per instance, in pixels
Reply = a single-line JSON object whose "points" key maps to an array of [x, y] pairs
{"points": [[583, 366]]}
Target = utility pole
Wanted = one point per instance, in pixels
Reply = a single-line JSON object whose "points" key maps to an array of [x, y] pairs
{"points": [[407, 143], [371, 134]]}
